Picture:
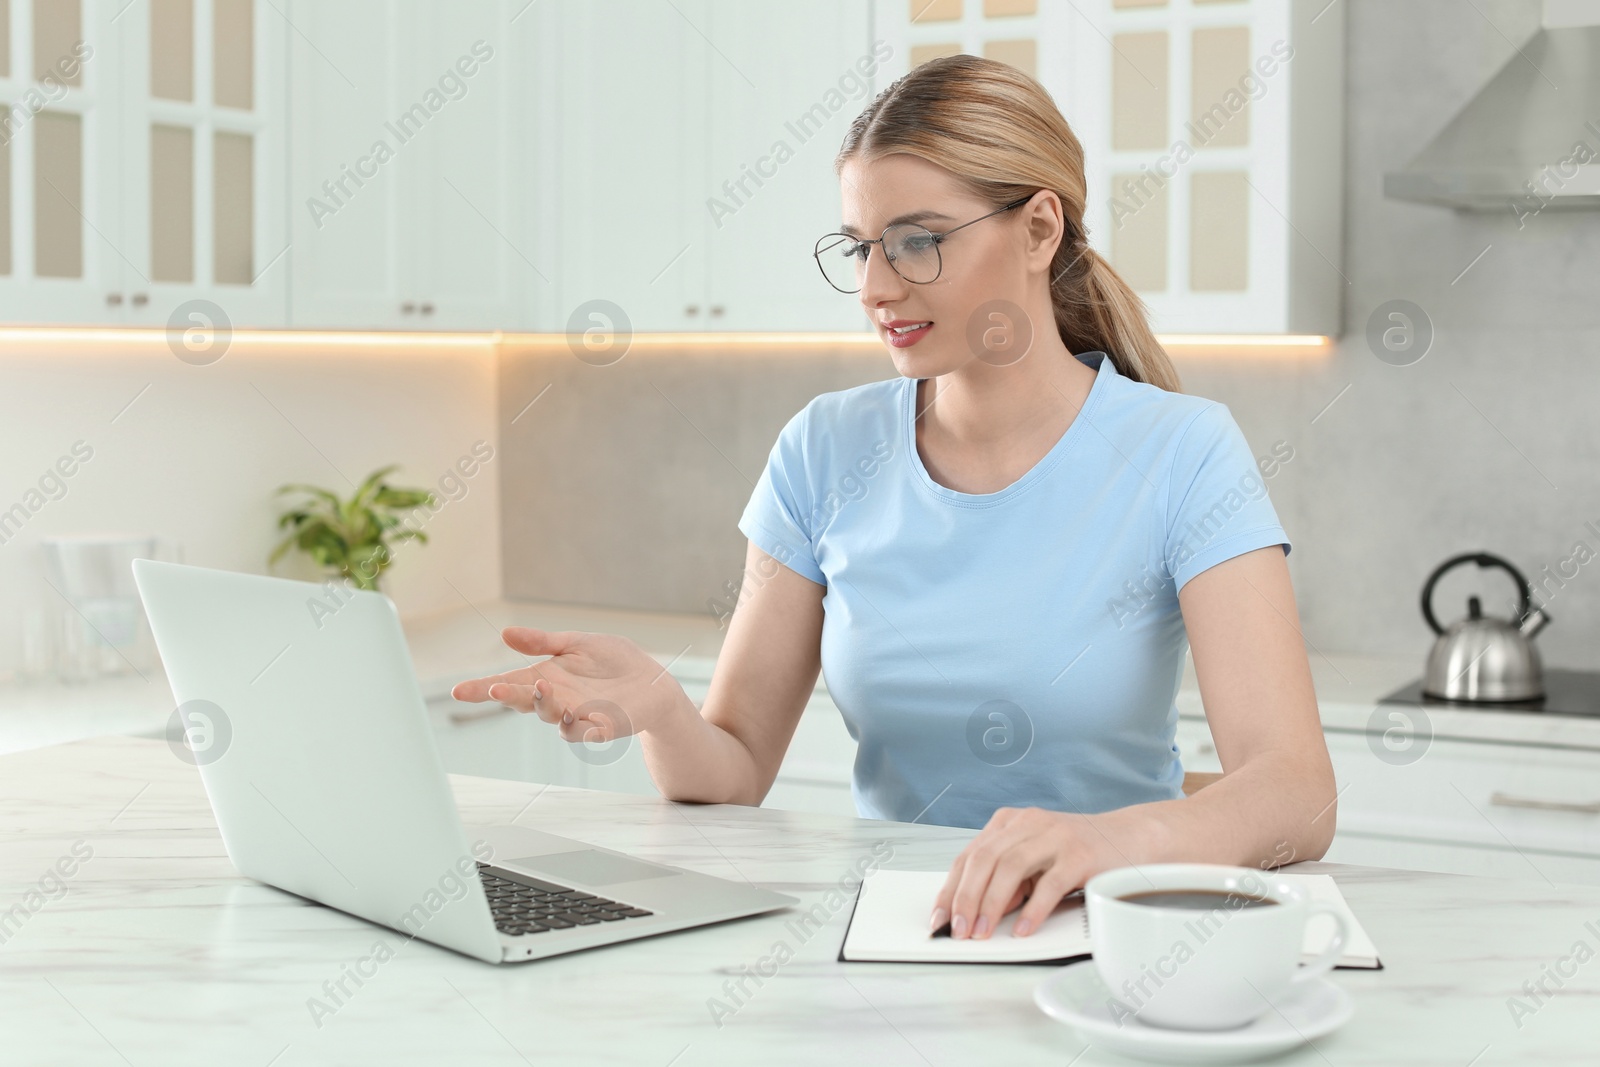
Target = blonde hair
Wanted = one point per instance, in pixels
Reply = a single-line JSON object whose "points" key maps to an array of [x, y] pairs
{"points": [[999, 131]]}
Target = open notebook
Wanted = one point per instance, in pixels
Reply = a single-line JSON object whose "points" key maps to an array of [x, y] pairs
{"points": [[890, 925]]}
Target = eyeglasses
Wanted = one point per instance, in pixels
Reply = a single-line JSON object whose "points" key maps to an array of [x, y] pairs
{"points": [[912, 251]]}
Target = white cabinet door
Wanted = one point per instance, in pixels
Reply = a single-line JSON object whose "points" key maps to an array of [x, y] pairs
{"points": [[471, 186], [352, 213], [200, 164], [61, 245], [786, 80], [408, 190], [628, 126]]}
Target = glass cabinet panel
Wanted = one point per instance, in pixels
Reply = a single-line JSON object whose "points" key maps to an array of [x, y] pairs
{"points": [[233, 52], [1139, 90], [172, 49], [171, 203], [57, 28], [57, 195], [1219, 111], [233, 208], [1219, 241]]}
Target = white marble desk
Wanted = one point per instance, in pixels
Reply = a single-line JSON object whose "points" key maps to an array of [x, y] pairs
{"points": [[159, 953]]}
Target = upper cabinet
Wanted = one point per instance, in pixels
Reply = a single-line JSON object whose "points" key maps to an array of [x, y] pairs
{"points": [[627, 124], [141, 161], [573, 164], [696, 143], [411, 204], [1213, 141], [778, 116]]}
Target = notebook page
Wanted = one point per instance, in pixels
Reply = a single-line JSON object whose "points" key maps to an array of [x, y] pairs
{"points": [[891, 923]]}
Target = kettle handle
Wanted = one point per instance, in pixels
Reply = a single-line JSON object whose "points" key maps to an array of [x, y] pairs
{"points": [[1482, 559]]}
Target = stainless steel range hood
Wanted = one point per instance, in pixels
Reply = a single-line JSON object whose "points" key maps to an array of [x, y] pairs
{"points": [[1530, 139]]}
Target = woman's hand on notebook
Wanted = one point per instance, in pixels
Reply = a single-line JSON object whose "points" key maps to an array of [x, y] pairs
{"points": [[1023, 854], [595, 687]]}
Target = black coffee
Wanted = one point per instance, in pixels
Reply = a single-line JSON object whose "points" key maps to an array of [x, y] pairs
{"points": [[1196, 899]]}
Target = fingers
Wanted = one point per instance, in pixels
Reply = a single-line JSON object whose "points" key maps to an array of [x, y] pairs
{"points": [[1047, 893], [477, 689], [531, 642], [523, 696], [1001, 866], [584, 724], [595, 721], [1003, 891], [942, 903]]}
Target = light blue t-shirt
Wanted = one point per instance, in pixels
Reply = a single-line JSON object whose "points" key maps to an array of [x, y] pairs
{"points": [[1020, 648]]}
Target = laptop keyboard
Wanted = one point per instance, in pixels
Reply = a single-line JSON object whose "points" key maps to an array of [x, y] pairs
{"points": [[522, 904]]}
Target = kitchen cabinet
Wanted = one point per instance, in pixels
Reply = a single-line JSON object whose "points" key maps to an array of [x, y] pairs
{"points": [[410, 206], [141, 167], [778, 116], [1212, 136], [627, 114], [481, 165], [697, 160], [1463, 807]]}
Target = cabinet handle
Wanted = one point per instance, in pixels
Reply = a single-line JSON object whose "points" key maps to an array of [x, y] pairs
{"points": [[1506, 800], [114, 299], [716, 311], [140, 299], [692, 309], [426, 309], [408, 307], [465, 715], [1206, 747]]}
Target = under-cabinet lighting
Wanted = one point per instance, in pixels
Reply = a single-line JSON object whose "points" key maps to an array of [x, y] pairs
{"points": [[122, 335]]}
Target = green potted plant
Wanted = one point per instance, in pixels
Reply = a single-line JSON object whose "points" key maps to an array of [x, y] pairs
{"points": [[352, 537]]}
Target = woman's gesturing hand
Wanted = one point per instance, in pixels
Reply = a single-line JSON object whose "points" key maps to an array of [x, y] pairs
{"points": [[597, 687], [1021, 854]]}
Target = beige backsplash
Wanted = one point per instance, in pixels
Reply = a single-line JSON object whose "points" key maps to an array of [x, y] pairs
{"points": [[622, 485]]}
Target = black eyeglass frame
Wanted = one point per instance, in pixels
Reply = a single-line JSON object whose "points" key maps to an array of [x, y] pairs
{"points": [[938, 239]]}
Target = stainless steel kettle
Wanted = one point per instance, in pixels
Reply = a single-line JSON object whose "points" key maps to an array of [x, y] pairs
{"points": [[1484, 658]]}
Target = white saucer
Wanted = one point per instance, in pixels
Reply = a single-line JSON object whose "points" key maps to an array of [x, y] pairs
{"points": [[1076, 996]]}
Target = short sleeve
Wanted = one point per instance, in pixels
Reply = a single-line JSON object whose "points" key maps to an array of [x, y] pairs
{"points": [[1218, 505], [777, 518]]}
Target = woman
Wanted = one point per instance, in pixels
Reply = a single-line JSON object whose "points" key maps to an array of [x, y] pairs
{"points": [[996, 557]]}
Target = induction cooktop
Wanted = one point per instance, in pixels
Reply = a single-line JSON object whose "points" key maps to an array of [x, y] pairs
{"points": [[1566, 692]]}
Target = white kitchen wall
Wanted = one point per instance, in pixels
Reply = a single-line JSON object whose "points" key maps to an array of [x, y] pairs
{"points": [[193, 453]]}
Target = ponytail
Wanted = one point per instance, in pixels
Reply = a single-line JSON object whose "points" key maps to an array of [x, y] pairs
{"points": [[999, 131]]}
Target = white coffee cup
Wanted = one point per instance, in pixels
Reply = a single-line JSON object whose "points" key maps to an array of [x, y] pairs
{"points": [[1202, 966]]}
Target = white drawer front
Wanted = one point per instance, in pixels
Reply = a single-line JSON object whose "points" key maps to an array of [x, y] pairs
{"points": [[1409, 788], [1499, 796]]}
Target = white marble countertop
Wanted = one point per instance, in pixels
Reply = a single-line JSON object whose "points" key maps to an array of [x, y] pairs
{"points": [[158, 952], [464, 642]]}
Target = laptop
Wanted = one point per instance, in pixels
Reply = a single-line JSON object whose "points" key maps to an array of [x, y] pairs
{"points": [[304, 716]]}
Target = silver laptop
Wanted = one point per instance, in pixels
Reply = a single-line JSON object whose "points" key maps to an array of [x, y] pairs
{"points": [[313, 743]]}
